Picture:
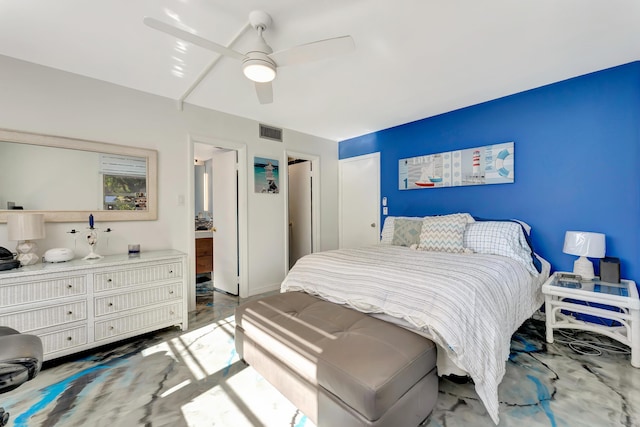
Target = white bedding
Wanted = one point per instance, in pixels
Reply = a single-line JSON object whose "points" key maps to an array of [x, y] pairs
{"points": [[470, 304]]}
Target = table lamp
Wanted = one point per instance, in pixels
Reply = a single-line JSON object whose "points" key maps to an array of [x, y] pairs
{"points": [[24, 228], [584, 244]]}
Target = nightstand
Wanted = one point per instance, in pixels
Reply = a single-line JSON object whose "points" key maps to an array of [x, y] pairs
{"points": [[623, 296]]}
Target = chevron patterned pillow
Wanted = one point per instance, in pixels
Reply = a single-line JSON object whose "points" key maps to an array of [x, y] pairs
{"points": [[444, 233]]}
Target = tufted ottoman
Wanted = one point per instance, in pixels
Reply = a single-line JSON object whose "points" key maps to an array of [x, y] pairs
{"points": [[338, 366]]}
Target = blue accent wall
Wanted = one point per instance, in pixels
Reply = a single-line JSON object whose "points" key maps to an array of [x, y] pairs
{"points": [[577, 161]]}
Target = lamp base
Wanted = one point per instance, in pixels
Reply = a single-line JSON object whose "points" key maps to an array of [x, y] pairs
{"points": [[92, 240], [584, 268], [27, 253], [93, 255]]}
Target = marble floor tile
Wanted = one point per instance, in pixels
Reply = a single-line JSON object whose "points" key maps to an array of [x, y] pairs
{"points": [[194, 378]]}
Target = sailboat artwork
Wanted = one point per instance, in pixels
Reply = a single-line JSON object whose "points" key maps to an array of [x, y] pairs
{"points": [[431, 171], [490, 164]]}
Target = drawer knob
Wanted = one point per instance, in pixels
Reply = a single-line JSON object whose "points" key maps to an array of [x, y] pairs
{"points": [[69, 312], [111, 328], [69, 286], [170, 292], [110, 304], [109, 280], [170, 271], [69, 339]]}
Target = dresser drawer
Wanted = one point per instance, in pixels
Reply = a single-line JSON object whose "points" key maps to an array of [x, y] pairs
{"points": [[42, 290], [142, 298], [137, 321], [144, 274], [64, 339], [30, 320]]}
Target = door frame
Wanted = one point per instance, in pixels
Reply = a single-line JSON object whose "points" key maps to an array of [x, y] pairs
{"points": [[315, 202], [376, 156], [243, 243]]}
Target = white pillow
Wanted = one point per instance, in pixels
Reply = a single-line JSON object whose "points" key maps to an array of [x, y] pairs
{"points": [[503, 238], [526, 226]]}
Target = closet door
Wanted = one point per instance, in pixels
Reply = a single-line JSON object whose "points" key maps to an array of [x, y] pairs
{"points": [[359, 201]]}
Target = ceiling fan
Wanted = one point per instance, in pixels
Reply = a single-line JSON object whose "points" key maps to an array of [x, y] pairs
{"points": [[260, 63]]}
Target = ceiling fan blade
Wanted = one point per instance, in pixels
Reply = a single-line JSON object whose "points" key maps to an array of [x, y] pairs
{"points": [[192, 38], [264, 92], [314, 51]]}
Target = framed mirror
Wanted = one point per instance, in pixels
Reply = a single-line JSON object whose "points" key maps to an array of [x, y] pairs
{"points": [[67, 179]]}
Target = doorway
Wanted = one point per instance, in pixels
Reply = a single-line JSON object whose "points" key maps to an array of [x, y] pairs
{"points": [[224, 218], [302, 206]]}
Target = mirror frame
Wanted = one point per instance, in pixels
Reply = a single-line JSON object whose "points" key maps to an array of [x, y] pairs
{"points": [[101, 147]]}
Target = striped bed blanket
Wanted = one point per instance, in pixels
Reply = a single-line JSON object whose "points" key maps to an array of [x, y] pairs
{"points": [[470, 304]]}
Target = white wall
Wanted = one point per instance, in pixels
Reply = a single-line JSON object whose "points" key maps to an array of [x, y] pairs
{"points": [[43, 100]]}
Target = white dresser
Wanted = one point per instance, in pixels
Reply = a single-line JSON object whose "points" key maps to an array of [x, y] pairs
{"points": [[77, 305]]}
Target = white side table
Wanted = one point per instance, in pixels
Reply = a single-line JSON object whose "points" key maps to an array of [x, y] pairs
{"points": [[623, 295]]}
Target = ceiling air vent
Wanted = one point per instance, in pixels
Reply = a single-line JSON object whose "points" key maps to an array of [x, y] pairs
{"points": [[269, 132]]}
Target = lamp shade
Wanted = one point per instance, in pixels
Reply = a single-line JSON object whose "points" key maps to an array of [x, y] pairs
{"points": [[583, 243], [25, 226]]}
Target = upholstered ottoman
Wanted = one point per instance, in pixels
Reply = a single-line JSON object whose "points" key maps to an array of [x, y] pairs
{"points": [[338, 366]]}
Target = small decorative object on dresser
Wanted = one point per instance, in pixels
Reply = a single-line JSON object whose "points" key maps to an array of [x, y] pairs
{"points": [[78, 305], [133, 250], [58, 255], [562, 290], [92, 240]]}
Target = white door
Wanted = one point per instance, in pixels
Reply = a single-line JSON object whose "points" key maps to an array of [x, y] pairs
{"points": [[359, 201], [300, 233], [225, 221]]}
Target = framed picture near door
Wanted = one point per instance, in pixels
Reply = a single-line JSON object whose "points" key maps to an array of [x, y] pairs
{"points": [[265, 175]]}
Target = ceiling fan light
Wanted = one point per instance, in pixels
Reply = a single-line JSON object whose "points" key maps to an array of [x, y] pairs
{"points": [[259, 71]]}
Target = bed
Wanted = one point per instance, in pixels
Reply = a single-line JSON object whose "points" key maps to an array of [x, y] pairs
{"points": [[466, 284]]}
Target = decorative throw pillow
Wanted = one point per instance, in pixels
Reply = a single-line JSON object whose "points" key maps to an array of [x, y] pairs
{"points": [[503, 238], [386, 237], [406, 232], [444, 233]]}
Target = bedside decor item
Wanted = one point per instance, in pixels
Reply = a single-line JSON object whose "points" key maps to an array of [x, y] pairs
{"points": [[584, 244], [610, 269], [24, 228]]}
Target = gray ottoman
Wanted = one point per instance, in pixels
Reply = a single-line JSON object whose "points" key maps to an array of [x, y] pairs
{"points": [[338, 366]]}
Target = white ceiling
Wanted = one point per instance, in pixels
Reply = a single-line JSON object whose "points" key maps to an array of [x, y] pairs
{"points": [[413, 58]]}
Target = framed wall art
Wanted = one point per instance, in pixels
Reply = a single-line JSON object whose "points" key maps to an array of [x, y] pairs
{"points": [[266, 177], [490, 164]]}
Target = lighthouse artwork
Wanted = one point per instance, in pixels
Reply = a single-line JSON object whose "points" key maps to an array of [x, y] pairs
{"points": [[490, 164], [477, 173], [266, 178]]}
